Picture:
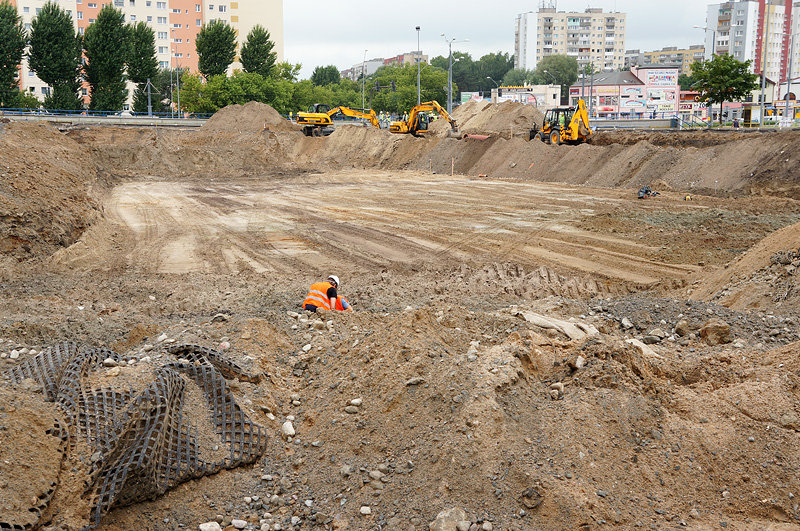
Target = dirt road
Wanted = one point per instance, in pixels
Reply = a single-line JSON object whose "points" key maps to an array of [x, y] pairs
{"points": [[357, 219]]}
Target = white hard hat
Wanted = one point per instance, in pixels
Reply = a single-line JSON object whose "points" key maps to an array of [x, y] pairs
{"points": [[335, 279]]}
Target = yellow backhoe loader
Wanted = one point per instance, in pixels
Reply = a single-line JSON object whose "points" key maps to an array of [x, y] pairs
{"points": [[564, 125], [419, 120], [318, 120]]}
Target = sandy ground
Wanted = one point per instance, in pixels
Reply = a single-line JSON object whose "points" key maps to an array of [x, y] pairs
{"points": [[494, 357]]}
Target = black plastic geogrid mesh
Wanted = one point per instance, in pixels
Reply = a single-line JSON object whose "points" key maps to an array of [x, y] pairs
{"points": [[144, 443]]}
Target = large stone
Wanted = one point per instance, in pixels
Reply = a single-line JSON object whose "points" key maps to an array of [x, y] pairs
{"points": [[210, 526], [448, 520], [682, 328], [716, 332]]}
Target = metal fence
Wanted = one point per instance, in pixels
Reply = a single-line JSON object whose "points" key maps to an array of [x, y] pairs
{"points": [[101, 114]]}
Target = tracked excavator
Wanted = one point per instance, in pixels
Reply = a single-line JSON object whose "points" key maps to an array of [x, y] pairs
{"points": [[564, 125], [318, 121], [419, 120]]}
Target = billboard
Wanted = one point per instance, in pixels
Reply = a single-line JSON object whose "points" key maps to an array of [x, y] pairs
{"points": [[662, 78]]}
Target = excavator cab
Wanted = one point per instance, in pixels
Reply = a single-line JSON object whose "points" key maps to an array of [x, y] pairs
{"points": [[319, 108]]}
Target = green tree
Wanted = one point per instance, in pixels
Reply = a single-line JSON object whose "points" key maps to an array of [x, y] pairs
{"points": [[28, 101], [257, 53], [404, 97], [686, 82], [106, 49], [142, 62], [55, 55], [216, 48], [493, 65], [519, 77], [12, 45], [561, 67], [325, 75], [723, 78], [287, 71]]}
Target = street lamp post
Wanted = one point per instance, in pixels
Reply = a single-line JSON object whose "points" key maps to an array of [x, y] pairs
{"points": [[419, 69], [551, 75], [450, 72], [764, 37], [789, 79], [363, 80]]}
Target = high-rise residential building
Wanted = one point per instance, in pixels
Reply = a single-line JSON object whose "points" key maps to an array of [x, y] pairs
{"points": [[755, 30], [592, 37], [176, 24]]}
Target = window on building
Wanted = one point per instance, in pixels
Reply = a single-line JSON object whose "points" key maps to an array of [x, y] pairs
{"points": [[222, 9], [26, 9], [178, 11], [81, 31], [162, 34], [162, 49], [92, 5], [119, 3], [92, 20], [149, 18], [132, 3], [211, 7], [199, 22], [84, 92], [133, 18], [80, 15], [163, 64], [161, 5], [162, 20], [38, 10], [148, 3], [198, 8], [178, 26]]}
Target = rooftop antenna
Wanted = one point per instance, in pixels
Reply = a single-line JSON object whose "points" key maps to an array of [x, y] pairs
{"points": [[547, 4]]}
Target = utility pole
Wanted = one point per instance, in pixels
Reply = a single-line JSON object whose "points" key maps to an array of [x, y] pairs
{"points": [[419, 69], [179, 92], [149, 100], [763, 67]]}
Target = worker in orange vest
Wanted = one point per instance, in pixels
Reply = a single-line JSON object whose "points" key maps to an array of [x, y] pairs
{"points": [[322, 295], [342, 305]]}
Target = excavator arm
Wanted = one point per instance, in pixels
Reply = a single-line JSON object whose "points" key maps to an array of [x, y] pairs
{"points": [[347, 111], [581, 118]]}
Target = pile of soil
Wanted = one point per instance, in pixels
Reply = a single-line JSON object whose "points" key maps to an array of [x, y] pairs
{"points": [[763, 277], [46, 183], [253, 117]]}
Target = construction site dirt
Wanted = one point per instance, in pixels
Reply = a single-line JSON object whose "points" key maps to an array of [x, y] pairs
{"points": [[532, 347]]}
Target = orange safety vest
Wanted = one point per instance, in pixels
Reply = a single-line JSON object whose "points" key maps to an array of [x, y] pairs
{"points": [[340, 302], [318, 295]]}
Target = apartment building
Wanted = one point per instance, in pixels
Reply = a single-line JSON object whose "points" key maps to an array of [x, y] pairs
{"points": [[592, 37], [755, 30], [176, 24], [669, 56]]}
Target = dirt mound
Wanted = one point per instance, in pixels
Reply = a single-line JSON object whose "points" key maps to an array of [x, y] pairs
{"points": [[46, 180], [762, 277], [252, 117]]}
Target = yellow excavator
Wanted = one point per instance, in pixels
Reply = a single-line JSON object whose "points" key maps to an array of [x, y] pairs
{"points": [[318, 120], [564, 125], [419, 120]]}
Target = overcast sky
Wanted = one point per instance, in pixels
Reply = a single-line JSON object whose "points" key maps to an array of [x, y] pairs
{"points": [[324, 32]]}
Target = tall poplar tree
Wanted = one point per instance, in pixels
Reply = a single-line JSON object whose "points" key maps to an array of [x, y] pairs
{"points": [[106, 48], [142, 62], [216, 48], [12, 45], [257, 53], [55, 55]]}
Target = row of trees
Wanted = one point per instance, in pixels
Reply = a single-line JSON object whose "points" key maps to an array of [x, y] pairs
{"points": [[110, 54]]}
